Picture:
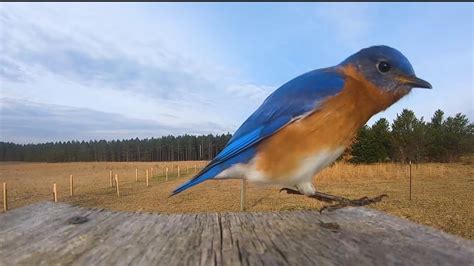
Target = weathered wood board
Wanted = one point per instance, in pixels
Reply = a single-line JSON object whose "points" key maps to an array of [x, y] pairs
{"points": [[41, 234]]}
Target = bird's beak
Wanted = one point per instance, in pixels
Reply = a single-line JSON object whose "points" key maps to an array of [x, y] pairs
{"points": [[415, 82]]}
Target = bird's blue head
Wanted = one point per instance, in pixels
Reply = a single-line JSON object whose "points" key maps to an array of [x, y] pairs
{"points": [[386, 68]]}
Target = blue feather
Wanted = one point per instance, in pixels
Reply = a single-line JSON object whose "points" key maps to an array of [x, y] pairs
{"points": [[295, 98], [210, 172]]}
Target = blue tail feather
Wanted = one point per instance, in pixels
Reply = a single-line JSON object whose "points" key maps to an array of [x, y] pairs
{"points": [[210, 173], [213, 170]]}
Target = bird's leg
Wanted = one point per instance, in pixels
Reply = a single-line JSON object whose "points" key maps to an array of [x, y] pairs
{"points": [[341, 201], [327, 197], [317, 195], [348, 202]]}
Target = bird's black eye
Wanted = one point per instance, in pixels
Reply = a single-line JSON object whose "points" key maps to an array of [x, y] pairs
{"points": [[383, 67]]}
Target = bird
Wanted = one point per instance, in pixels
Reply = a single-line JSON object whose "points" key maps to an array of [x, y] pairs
{"points": [[306, 124]]}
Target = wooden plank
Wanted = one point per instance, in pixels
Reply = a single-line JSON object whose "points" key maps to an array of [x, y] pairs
{"points": [[40, 234]]}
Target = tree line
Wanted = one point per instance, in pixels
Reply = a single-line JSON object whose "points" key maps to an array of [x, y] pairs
{"points": [[410, 138], [406, 139], [167, 148]]}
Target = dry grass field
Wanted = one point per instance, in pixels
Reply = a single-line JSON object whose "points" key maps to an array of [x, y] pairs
{"points": [[443, 194]]}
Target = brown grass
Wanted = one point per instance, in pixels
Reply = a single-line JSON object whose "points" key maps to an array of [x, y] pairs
{"points": [[442, 193]]}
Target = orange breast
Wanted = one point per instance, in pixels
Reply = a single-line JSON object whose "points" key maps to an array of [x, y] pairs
{"points": [[333, 125]]}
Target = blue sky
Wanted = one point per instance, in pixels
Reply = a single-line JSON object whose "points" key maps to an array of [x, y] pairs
{"points": [[107, 71]]}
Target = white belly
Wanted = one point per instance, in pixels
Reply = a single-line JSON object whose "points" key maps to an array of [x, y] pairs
{"points": [[304, 173]]}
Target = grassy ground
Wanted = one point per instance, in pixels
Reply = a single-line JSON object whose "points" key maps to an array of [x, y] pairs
{"points": [[442, 193]]}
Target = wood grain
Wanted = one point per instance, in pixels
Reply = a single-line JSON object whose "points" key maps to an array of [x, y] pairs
{"points": [[41, 234]]}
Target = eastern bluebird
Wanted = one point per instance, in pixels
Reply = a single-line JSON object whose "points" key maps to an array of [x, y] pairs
{"points": [[305, 125]]}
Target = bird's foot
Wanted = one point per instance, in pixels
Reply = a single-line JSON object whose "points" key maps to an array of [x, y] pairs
{"points": [[357, 202], [290, 191], [341, 202]]}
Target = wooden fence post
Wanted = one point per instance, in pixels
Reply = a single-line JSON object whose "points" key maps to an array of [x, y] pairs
{"points": [[71, 185], [166, 174], [5, 197], [146, 177], [110, 178], [136, 174], [410, 178], [117, 185], [151, 172], [55, 193], [178, 171], [195, 169], [242, 195]]}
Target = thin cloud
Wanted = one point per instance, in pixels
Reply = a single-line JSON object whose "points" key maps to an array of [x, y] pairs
{"points": [[88, 61], [74, 64], [30, 122]]}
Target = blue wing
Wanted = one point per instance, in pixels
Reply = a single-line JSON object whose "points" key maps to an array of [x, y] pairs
{"points": [[295, 98]]}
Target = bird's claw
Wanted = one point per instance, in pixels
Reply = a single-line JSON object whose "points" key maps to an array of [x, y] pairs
{"points": [[358, 202]]}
